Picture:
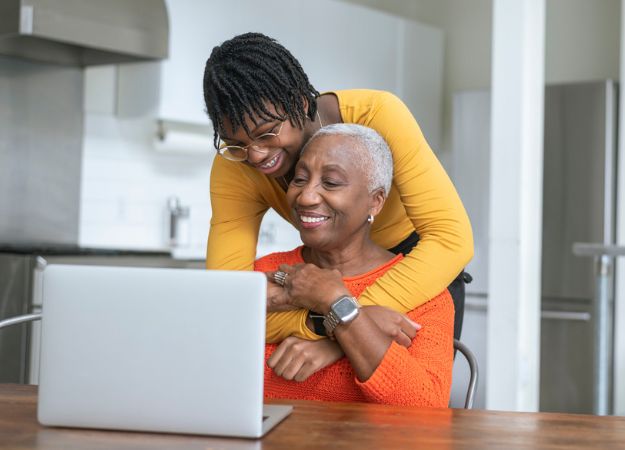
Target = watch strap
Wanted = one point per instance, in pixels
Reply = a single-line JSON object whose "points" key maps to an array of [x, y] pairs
{"points": [[330, 322]]}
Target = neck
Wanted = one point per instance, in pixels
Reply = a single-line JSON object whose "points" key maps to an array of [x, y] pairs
{"points": [[359, 256]]}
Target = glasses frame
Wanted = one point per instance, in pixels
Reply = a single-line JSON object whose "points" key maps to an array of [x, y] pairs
{"points": [[223, 149]]}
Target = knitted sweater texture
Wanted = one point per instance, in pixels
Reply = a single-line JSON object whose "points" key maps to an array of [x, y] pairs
{"points": [[418, 376]]}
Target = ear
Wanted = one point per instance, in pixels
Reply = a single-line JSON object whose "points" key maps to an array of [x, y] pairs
{"points": [[378, 197], [306, 105]]}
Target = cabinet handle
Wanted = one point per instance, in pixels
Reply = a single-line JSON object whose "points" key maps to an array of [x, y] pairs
{"points": [[565, 315]]}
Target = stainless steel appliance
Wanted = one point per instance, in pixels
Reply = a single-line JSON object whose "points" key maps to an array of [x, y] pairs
{"points": [[84, 32], [579, 204]]}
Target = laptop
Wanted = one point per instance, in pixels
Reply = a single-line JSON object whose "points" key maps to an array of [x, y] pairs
{"points": [[145, 349]]}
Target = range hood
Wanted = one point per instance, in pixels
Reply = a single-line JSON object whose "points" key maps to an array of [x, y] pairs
{"points": [[84, 32]]}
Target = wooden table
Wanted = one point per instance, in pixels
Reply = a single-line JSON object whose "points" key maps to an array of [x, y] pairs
{"points": [[321, 425]]}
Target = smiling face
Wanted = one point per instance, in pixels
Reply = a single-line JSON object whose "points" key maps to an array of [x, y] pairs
{"points": [[276, 155], [329, 194]]}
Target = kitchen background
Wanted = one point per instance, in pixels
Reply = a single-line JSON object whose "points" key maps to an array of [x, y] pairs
{"points": [[110, 163]]}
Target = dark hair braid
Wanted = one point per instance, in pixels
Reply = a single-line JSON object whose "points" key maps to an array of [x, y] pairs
{"points": [[249, 70]]}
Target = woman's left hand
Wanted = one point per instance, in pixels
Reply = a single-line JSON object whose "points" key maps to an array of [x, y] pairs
{"points": [[309, 287], [297, 359]]}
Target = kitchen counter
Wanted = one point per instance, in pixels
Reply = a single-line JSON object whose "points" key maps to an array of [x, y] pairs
{"points": [[75, 250]]}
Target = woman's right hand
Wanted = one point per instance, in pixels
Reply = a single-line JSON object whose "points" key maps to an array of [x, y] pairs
{"points": [[395, 325]]}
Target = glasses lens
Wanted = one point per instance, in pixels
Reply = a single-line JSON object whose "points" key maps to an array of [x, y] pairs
{"points": [[263, 143], [233, 153]]}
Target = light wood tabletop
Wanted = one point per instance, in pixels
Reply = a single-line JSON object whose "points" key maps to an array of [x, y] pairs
{"points": [[321, 425]]}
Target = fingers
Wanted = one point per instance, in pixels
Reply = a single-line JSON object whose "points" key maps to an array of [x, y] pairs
{"points": [[277, 298], [397, 326], [409, 327], [286, 268], [413, 323], [406, 332], [305, 371], [401, 338], [287, 361], [296, 359], [293, 367], [276, 356]]}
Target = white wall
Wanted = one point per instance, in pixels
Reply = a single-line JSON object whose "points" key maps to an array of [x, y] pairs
{"points": [[125, 182], [466, 65], [582, 40], [581, 43]]}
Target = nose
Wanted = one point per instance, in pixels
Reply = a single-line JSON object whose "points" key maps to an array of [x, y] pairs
{"points": [[256, 153], [309, 196]]}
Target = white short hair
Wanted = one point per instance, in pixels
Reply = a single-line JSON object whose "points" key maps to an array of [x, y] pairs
{"points": [[375, 159]]}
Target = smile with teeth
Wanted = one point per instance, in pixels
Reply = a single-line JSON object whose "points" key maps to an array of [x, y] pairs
{"points": [[308, 219], [271, 163]]}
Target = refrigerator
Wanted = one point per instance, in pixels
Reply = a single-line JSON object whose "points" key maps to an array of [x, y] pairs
{"points": [[579, 202]]}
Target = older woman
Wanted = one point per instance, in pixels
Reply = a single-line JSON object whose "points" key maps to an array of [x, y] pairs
{"points": [[340, 184]]}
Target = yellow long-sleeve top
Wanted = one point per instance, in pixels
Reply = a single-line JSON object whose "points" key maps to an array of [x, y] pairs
{"points": [[422, 198]]}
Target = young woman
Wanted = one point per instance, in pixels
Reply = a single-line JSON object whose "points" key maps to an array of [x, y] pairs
{"points": [[339, 186], [264, 110]]}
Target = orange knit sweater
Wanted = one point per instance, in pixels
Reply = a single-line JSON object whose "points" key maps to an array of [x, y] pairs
{"points": [[419, 375]]}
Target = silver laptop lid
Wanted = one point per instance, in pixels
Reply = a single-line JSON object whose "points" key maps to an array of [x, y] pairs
{"points": [[170, 350]]}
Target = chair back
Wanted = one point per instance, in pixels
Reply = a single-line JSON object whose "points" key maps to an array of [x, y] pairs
{"points": [[473, 368]]}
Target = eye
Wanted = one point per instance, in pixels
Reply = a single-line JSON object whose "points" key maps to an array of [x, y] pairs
{"points": [[298, 181], [268, 134], [331, 184]]}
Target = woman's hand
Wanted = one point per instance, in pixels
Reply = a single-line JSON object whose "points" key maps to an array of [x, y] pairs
{"points": [[393, 324], [277, 297], [309, 287], [297, 359]]}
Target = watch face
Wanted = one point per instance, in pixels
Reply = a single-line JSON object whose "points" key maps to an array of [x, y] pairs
{"points": [[345, 309]]}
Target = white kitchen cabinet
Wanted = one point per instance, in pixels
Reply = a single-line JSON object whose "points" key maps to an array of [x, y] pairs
{"points": [[339, 45], [198, 26]]}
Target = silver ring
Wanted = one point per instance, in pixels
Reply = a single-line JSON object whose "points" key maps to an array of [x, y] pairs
{"points": [[280, 277]]}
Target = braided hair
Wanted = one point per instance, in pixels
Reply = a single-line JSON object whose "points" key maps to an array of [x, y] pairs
{"points": [[245, 72]]}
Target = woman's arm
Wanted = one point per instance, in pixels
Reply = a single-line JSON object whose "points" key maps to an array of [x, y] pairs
{"points": [[297, 359], [431, 203], [279, 326], [420, 374], [237, 211], [387, 372]]}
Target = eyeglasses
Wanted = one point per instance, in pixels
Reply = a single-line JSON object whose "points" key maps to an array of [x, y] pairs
{"points": [[260, 145]]}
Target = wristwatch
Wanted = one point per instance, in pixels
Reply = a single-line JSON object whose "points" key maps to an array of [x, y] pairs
{"points": [[343, 310]]}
